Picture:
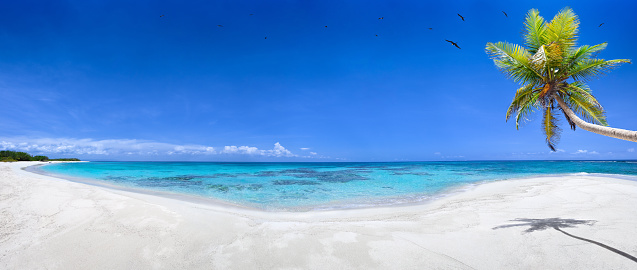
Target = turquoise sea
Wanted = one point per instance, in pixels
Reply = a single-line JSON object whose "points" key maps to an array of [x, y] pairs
{"points": [[314, 186]]}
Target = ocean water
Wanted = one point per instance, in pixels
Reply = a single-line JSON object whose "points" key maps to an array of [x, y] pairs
{"points": [[318, 186]]}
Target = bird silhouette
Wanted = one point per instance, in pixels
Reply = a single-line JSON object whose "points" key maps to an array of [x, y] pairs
{"points": [[600, 25], [161, 15], [454, 44], [219, 25], [430, 28], [266, 37], [326, 26], [505, 14], [461, 17], [376, 35], [381, 18]]}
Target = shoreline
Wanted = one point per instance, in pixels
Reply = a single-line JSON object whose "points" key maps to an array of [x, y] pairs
{"points": [[344, 205], [141, 191], [49, 222]]}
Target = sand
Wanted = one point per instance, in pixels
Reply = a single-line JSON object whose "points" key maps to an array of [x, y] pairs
{"points": [[50, 223]]}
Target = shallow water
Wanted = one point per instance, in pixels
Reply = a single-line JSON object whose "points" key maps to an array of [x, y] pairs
{"points": [[311, 186]]}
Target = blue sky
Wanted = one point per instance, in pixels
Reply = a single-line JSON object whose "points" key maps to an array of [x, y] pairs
{"points": [[112, 80]]}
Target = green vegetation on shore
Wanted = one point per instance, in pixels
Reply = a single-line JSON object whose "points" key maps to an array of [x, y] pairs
{"points": [[11, 156]]}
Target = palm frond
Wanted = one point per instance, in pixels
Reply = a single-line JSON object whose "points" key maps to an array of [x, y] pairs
{"points": [[522, 96], [550, 128], [587, 111], [523, 113], [587, 69], [513, 61], [563, 29], [526, 106], [585, 52], [555, 58], [579, 98], [583, 90], [534, 30], [577, 55]]}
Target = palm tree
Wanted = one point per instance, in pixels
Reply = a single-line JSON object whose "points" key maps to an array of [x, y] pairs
{"points": [[553, 72]]}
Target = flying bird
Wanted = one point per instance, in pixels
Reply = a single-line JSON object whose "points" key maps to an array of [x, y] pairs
{"points": [[430, 28], [454, 44], [600, 25], [376, 35], [161, 15], [505, 14], [461, 17], [326, 26], [219, 25], [266, 37], [381, 18]]}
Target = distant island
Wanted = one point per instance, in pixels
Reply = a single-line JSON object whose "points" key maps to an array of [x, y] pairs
{"points": [[12, 156]]}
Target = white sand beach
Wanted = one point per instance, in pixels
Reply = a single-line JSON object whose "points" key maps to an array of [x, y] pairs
{"points": [[50, 223]]}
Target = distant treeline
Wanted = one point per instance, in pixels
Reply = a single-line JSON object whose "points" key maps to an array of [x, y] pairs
{"points": [[8, 156]]}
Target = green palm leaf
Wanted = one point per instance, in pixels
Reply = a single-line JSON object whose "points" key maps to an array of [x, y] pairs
{"points": [[583, 103], [586, 69], [555, 60], [584, 52], [513, 61], [534, 30], [524, 99], [576, 56], [582, 90], [525, 110], [562, 30], [550, 127]]}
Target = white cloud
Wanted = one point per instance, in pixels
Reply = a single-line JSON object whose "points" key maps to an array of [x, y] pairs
{"points": [[437, 153], [631, 150], [240, 150], [279, 151], [579, 152], [304, 148], [71, 146], [313, 153]]}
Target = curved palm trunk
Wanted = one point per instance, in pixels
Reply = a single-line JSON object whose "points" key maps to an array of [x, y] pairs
{"points": [[618, 133]]}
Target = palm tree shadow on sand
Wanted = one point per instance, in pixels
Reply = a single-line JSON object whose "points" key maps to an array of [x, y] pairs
{"points": [[558, 223]]}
